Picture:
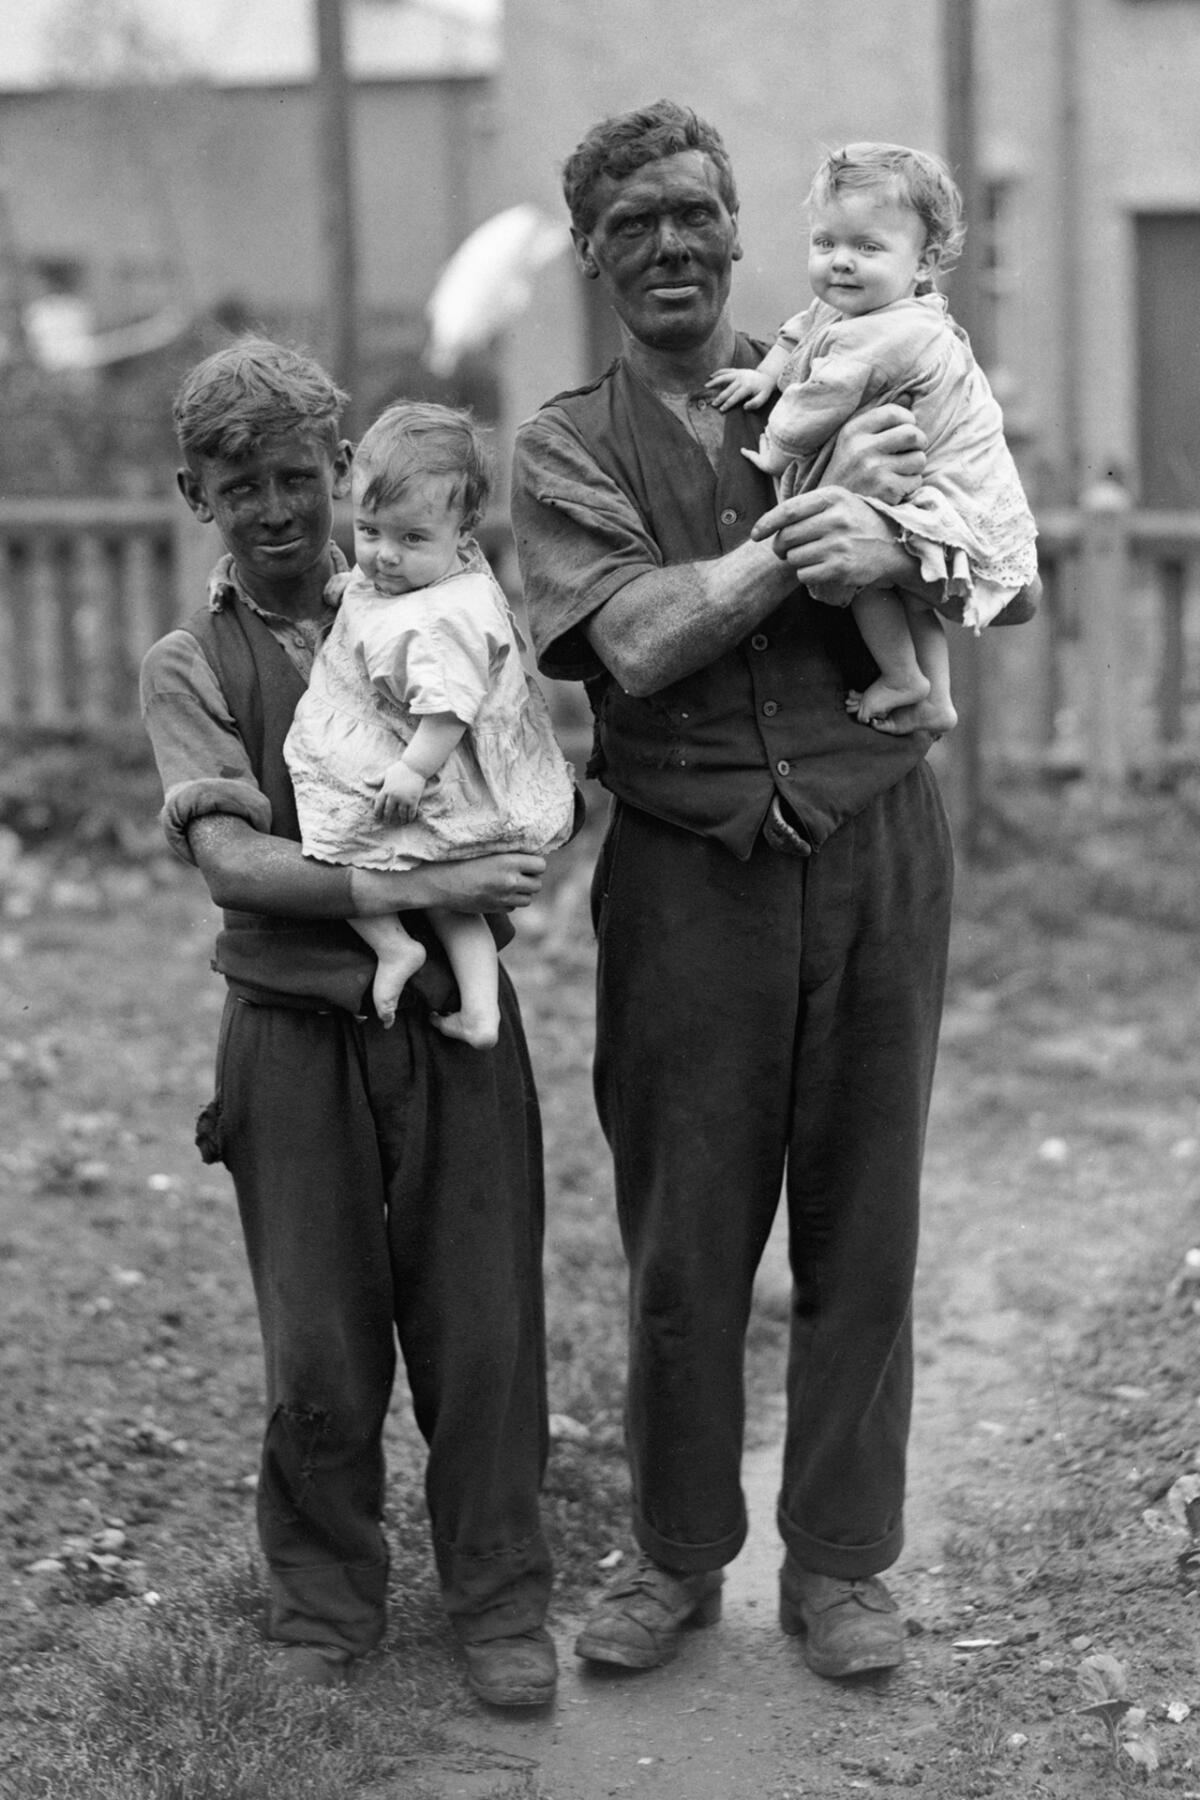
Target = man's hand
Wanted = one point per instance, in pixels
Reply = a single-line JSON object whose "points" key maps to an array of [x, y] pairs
{"points": [[750, 388], [881, 453], [399, 796], [828, 535], [501, 883]]}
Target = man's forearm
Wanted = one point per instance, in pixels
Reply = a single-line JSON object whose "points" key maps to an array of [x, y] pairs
{"points": [[662, 627]]}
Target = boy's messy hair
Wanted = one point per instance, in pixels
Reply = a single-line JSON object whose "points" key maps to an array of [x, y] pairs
{"points": [[413, 438], [617, 146], [913, 177], [251, 390]]}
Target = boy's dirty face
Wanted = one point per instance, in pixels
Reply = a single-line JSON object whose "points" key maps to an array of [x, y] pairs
{"points": [[272, 507]]}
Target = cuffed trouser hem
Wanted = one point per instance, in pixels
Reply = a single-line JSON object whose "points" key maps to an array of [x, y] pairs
{"points": [[494, 1596], [845, 1562], [689, 1559], [342, 1605]]}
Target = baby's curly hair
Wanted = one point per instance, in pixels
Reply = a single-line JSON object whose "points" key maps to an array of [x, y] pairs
{"points": [[913, 177], [412, 438], [251, 390]]}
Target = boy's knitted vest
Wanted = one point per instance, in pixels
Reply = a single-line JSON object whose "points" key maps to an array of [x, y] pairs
{"points": [[296, 961]]}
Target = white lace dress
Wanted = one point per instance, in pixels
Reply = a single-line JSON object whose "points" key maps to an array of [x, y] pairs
{"points": [[389, 660]]}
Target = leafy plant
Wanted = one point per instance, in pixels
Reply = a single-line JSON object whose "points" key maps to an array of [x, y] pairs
{"points": [[1102, 1682]]}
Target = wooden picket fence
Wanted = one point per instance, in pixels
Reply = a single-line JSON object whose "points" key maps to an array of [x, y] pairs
{"points": [[85, 587], [1106, 680]]}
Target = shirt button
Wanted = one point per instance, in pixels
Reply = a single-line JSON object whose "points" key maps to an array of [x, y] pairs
{"points": [[729, 516], [770, 708], [758, 641], [783, 768]]}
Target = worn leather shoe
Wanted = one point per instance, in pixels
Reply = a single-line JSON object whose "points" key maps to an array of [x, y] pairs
{"points": [[637, 1623], [513, 1671], [849, 1627]]}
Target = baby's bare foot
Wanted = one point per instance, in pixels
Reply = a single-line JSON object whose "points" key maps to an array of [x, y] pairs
{"points": [[479, 1029], [396, 967], [933, 714], [887, 696]]}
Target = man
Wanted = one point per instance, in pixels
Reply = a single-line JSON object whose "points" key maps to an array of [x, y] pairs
{"points": [[772, 907], [389, 1181]]}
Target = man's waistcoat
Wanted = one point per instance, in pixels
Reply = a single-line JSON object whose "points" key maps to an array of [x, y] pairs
{"points": [[708, 752]]}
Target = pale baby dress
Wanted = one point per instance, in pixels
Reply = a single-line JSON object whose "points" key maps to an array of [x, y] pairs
{"points": [[388, 660], [969, 523]]}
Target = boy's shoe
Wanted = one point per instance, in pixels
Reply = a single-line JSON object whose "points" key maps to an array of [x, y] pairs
{"points": [[637, 1623], [513, 1671], [310, 1665], [849, 1627]]}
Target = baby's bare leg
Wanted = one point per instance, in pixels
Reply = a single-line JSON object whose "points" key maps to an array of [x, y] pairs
{"points": [[936, 712], [882, 617], [471, 949], [398, 957]]}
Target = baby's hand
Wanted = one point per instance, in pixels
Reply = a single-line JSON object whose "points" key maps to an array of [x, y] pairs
{"points": [[400, 790], [767, 458], [740, 387]]}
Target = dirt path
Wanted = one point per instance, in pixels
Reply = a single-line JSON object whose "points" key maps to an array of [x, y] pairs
{"points": [[738, 1716], [1011, 1263]]}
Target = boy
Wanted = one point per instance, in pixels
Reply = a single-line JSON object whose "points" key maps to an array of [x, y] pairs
{"points": [[389, 1182]]}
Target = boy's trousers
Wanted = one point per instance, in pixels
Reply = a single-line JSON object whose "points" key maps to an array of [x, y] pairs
{"points": [[768, 1027], [390, 1187]]}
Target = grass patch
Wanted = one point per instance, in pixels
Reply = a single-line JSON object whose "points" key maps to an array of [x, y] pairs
{"points": [[174, 1702]]}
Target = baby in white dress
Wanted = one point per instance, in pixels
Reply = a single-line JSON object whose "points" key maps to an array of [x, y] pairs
{"points": [[884, 220], [421, 738]]}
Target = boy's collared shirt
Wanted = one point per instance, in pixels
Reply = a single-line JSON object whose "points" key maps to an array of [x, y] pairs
{"points": [[300, 638], [201, 758]]}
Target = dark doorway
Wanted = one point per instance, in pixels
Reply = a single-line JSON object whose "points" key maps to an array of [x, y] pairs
{"points": [[1168, 335]]}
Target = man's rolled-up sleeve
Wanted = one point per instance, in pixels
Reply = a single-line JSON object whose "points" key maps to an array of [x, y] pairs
{"points": [[579, 540], [202, 761]]}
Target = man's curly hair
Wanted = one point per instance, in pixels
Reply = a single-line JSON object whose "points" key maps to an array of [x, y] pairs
{"points": [[627, 141]]}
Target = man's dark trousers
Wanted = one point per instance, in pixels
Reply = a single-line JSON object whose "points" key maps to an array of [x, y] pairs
{"points": [[760, 1023], [390, 1185]]}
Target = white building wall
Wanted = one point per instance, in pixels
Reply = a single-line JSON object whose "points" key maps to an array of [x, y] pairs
{"points": [[782, 77]]}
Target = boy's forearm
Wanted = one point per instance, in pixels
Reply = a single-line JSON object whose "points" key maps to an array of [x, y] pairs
{"points": [[251, 872]]}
